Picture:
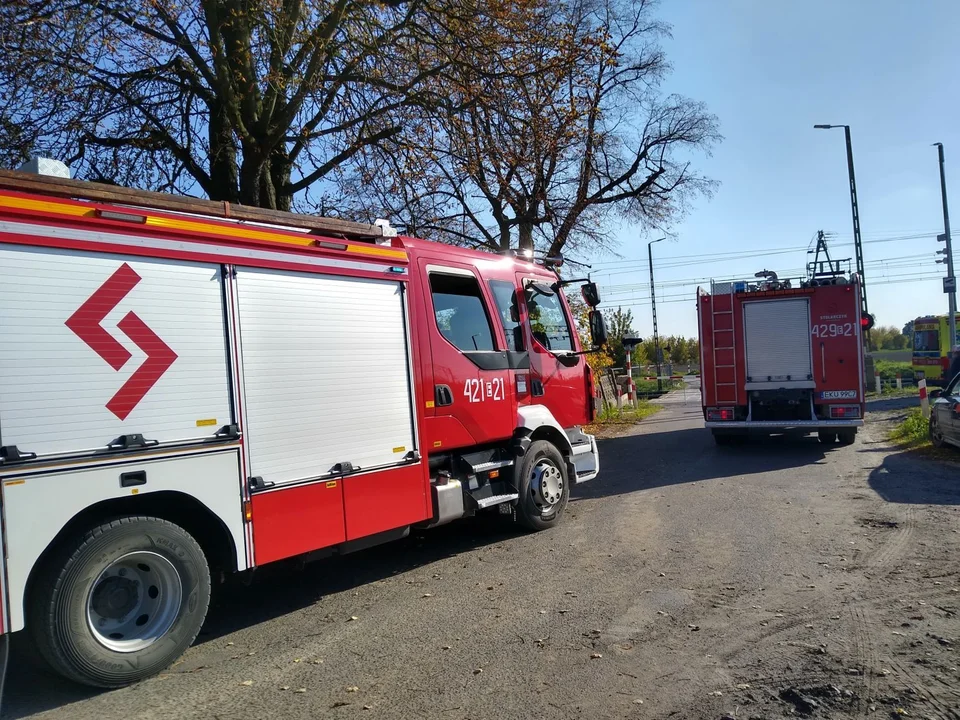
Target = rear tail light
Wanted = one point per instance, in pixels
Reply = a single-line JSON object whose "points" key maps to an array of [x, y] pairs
{"points": [[714, 414], [842, 412]]}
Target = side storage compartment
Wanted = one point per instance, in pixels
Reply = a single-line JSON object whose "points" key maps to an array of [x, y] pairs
{"points": [[329, 423]]}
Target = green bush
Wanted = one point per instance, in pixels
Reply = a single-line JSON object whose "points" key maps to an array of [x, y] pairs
{"points": [[913, 430], [888, 370]]}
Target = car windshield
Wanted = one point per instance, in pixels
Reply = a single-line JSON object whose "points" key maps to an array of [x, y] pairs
{"points": [[926, 340]]}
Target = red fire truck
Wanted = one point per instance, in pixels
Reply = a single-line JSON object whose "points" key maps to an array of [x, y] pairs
{"points": [[190, 388], [782, 356]]}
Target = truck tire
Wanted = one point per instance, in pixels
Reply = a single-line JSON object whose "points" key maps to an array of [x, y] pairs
{"points": [[847, 437], [543, 486], [121, 602]]}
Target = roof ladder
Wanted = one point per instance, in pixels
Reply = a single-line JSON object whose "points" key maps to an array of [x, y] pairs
{"points": [[727, 331]]}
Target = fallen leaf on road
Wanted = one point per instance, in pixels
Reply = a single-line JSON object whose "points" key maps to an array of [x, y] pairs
{"points": [[251, 653], [478, 671], [229, 644], [303, 690], [284, 687], [248, 683], [352, 618], [445, 647], [318, 662], [296, 660], [743, 686], [717, 693], [352, 688], [368, 707], [694, 628], [596, 656]]}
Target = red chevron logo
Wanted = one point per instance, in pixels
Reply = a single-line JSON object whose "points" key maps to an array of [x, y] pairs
{"points": [[86, 325]]}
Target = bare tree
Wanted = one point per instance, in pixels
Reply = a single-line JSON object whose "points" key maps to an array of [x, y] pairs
{"points": [[548, 158], [249, 101]]}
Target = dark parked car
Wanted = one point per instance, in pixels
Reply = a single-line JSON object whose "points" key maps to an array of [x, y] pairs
{"points": [[945, 416]]}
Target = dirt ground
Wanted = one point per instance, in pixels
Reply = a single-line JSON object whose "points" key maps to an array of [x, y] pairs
{"points": [[776, 580]]}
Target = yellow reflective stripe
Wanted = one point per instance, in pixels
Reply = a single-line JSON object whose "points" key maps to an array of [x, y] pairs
{"points": [[19, 203], [229, 231], [377, 250]]}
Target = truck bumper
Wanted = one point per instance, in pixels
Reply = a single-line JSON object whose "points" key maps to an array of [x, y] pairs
{"points": [[586, 460], [773, 425]]}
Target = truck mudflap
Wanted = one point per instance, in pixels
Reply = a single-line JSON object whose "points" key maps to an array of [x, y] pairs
{"points": [[586, 459], [785, 424]]}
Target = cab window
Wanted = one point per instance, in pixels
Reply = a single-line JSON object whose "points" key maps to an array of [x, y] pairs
{"points": [[460, 313], [548, 322], [505, 297]]}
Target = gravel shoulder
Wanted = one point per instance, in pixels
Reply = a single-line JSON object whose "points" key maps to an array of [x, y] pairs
{"points": [[688, 581]]}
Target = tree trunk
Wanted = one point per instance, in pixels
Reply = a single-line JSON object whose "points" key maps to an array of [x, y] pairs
{"points": [[224, 180], [280, 166], [525, 238]]}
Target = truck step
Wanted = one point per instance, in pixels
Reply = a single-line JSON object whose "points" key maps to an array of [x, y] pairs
{"points": [[493, 465], [496, 500]]}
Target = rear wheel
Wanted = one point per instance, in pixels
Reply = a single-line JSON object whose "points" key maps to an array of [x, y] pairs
{"points": [[827, 437], [936, 434], [543, 486], [120, 603], [847, 437]]}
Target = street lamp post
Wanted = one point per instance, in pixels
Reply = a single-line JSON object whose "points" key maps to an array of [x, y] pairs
{"points": [[857, 242], [952, 295], [653, 303]]}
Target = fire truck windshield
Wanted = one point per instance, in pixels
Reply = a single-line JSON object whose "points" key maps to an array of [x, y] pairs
{"points": [[926, 340]]}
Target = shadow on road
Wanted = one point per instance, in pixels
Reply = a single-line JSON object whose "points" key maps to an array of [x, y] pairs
{"points": [[275, 590], [913, 476], [674, 456]]}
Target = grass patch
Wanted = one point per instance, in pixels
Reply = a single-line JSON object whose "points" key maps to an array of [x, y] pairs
{"points": [[650, 386], [913, 430], [627, 415]]}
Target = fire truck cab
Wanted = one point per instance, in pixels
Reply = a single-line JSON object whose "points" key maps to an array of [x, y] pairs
{"points": [[781, 356], [189, 388]]}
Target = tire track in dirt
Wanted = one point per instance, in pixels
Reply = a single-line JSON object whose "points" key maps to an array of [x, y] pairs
{"points": [[895, 546], [922, 689], [867, 658]]}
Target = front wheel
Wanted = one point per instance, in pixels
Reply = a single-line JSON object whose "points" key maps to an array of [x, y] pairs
{"points": [[122, 602], [543, 486]]}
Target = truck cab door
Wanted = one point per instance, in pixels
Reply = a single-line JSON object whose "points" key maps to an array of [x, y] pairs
{"points": [[472, 393], [558, 378]]}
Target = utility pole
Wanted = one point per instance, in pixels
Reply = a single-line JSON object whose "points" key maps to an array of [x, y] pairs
{"points": [[950, 283], [653, 303], [857, 242]]}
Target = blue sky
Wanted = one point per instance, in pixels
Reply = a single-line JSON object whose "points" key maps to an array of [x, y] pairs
{"points": [[770, 70]]}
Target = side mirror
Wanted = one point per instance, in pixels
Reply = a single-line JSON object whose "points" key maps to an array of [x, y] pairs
{"points": [[598, 329], [631, 341], [591, 296], [935, 393], [535, 288]]}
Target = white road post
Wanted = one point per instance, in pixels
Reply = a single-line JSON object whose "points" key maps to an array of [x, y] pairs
{"points": [[924, 402], [899, 382], [876, 377]]}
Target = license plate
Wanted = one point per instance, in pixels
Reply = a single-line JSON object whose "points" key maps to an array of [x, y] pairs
{"points": [[838, 395]]}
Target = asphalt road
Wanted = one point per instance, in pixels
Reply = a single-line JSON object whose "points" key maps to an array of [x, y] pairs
{"points": [[687, 581]]}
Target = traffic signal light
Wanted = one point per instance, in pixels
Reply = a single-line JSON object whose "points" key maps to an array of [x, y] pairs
{"points": [[866, 322]]}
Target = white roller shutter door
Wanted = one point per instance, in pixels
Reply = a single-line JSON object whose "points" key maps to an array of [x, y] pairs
{"points": [[95, 346], [326, 373], [777, 340]]}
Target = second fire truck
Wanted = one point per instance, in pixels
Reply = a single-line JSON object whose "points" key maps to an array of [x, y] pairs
{"points": [[783, 356]]}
